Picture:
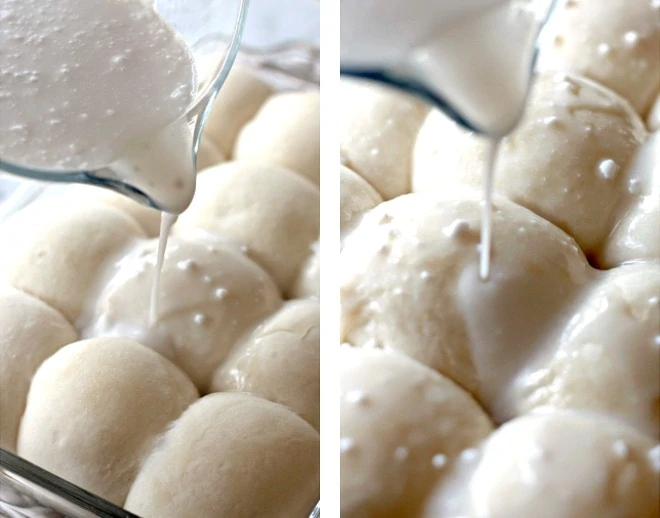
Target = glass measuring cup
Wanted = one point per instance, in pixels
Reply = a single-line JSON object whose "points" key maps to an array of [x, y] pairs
{"points": [[467, 58], [209, 28]]}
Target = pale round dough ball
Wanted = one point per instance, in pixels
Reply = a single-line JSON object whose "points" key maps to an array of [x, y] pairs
{"points": [[279, 361], [209, 295], [285, 132], [30, 331], [238, 101], [270, 209], [636, 234], [208, 154], [91, 196], [653, 120], [57, 252], [95, 409], [356, 198], [231, 455], [409, 279], [308, 282], [558, 464], [608, 357], [402, 425], [566, 160], [377, 130], [614, 42]]}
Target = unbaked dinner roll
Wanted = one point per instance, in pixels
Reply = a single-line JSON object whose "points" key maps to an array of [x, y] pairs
{"points": [[285, 132], [210, 293], [608, 356], [307, 283], [279, 361], [356, 198], [231, 455], [566, 161], [614, 42], [95, 409], [208, 154], [558, 464], [56, 252], [270, 209], [30, 331], [402, 425], [409, 281], [636, 233], [238, 101], [78, 195], [377, 130]]}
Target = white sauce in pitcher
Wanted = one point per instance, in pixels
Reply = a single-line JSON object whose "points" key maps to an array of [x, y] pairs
{"points": [[84, 84]]}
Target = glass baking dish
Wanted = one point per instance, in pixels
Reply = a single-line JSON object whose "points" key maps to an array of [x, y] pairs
{"points": [[28, 491]]}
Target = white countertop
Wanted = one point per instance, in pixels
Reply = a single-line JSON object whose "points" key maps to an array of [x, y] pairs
{"points": [[271, 22]]}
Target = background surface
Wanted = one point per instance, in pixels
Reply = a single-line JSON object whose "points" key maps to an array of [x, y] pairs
{"points": [[271, 22]]}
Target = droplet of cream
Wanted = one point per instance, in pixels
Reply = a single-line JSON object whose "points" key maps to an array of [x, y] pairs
{"points": [[469, 454], [620, 449], [634, 186], [631, 38], [604, 49], [346, 444], [439, 460], [551, 121], [220, 293], [425, 274], [458, 229], [199, 318], [374, 305], [356, 397], [186, 265], [401, 453], [569, 86], [608, 169]]}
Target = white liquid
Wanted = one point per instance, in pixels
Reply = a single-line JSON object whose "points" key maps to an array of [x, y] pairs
{"points": [[488, 308], [476, 55], [166, 222], [487, 211], [84, 84]]}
